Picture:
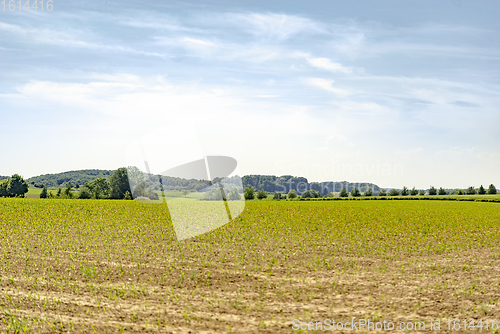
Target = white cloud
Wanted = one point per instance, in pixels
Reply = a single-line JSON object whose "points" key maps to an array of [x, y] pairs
{"points": [[272, 26], [197, 41], [71, 38], [327, 64], [326, 84]]}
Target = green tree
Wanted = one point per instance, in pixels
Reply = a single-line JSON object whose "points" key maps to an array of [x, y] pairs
{"points": [[492, 190], [306, 194], [368, 192], [261, 194], [43, 194], [481, 190], [100, 188], [234, 195], [441, 191], [185, 193], [355, 192], [292, 194], [343, 193], [119, 183], [394, 192], [3, 188], [16, 186], [277, 196], [470, 191], [85, 193], [460, 192], [67, 191], [405, 191], [413, 191], [421, 192], [382, 192], [249, 193], [432, 191], [58, 194]]}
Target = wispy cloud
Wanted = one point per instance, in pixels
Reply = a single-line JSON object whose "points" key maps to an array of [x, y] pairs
{"points": [[70, 39], [273, 26], [328, 65], [327, 85]]}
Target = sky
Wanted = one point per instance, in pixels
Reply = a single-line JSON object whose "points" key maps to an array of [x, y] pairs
{"points": [[398, 93]]}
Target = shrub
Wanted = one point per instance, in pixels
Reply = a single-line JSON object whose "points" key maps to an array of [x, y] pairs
{"points": [[261, 194], [311, 194], [470, 191], [85, 193], [394, 192], [355, 192], [249, 193], [277, 196], [292, 194], [43, 194]]}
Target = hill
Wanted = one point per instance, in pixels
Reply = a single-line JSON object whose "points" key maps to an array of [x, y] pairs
{"points": [[269, 183], [75, 177]]}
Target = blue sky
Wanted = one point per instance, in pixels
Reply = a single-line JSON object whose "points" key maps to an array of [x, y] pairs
{"points": [[391, 92]]}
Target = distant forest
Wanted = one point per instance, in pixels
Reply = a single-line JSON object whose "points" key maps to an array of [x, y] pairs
{"points": [[80, 177], [268, 183], [285, 183]]}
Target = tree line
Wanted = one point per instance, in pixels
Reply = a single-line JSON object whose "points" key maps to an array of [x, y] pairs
{"points": [[251, 194], [286, 183]]}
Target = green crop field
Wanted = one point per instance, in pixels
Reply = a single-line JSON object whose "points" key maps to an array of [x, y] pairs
{"points": [[115, 266]]}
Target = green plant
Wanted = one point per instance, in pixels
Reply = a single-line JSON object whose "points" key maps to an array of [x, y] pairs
{"points": [[355, 192], [249, 193], [394, 192], [405, 191], [261, 194], [432, 191]]}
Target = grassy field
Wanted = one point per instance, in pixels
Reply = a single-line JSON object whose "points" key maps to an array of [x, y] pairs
{"points": [[115, 266]]}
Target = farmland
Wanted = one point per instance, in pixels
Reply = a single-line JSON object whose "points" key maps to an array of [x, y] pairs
{"points": [[116, 266]]}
